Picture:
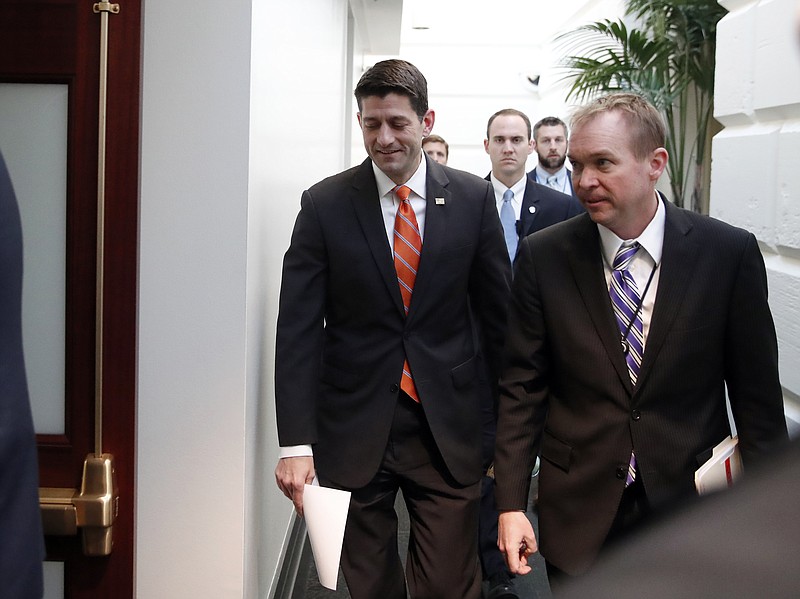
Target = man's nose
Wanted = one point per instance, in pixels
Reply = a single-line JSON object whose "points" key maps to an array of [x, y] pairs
{"points": [[385, 135], [585, 179]]}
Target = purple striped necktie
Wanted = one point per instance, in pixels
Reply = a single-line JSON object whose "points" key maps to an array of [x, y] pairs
{"points": [[627, 310]]}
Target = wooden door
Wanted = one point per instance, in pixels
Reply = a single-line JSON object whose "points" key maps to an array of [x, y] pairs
{"points": [[55, 44]]}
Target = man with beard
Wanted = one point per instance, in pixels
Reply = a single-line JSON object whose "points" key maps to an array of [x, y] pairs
{"points": [[550, 143], [379, 377]]}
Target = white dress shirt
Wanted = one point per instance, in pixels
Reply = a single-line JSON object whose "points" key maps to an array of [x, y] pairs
{"points": [[558, 181], [519, 192], [644, 262]]}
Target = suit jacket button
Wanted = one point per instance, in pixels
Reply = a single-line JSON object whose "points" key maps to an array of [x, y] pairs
{"points": [[394, 387], [636, 414], [622, 472]]}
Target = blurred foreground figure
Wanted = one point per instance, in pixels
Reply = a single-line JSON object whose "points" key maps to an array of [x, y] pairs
{"points": [[21, 540], [739, 543]]}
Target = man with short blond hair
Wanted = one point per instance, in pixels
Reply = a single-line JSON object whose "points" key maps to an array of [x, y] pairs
{"points": [[626, 327]]}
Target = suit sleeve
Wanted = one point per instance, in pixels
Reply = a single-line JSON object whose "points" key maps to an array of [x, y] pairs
{"points": [[751, 359], [489, 287], [523, 387], [300, 329]]}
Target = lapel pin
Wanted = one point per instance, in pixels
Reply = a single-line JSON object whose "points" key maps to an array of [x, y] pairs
{"points": [[531, 209], [439, 201]]}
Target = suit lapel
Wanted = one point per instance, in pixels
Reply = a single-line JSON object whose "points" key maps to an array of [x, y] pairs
{"points": [[587, 269], [530, 206], [364, 197], [678, 260], [436, 219]]}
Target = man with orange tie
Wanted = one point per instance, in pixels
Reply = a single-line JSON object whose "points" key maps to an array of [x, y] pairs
{"points": [[393, 266]]}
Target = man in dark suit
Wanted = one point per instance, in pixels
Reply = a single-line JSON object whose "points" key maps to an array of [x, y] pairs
{"points": [[21, 540], [379, 377], [626, 325], [530, 207], [550, 144], [524, 207]]}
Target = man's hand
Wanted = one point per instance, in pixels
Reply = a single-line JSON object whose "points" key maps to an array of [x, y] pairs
{"points": [[291, 474], [516, 541]]}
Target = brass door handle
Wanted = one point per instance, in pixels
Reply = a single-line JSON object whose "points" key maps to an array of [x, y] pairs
{"points": [[93, 510]]}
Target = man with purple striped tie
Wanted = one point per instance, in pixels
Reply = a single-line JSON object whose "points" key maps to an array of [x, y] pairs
{"points": [[626, 326]]}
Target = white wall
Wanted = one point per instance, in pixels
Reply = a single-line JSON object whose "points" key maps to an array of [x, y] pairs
{"points": [[234, 125], [476, 56], [755, 182], [192, 328], [299, 99]]}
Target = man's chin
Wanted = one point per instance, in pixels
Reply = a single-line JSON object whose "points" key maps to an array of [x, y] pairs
{"points": [[554, 163]]}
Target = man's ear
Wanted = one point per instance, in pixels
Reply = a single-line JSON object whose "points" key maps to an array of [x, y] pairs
{"points": [[658, 162], [427, 122]]}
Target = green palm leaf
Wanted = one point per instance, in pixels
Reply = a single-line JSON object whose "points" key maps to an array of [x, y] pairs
{"points": [[669, 59]]}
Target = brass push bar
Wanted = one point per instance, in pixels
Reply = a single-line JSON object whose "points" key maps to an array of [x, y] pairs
{"points": [[93, 510]]}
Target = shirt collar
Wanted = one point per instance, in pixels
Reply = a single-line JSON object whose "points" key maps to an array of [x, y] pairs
{"points": [[542, 175], [651, 239], [416, 183], [518, 188]]}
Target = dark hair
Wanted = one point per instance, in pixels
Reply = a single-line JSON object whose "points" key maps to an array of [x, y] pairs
{"points": [[549, 121], [647, 128], [398, 77], [509, 112], [433, 138]]}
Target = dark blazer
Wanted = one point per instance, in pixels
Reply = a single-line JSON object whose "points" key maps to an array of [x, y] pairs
{"points": [[21, 540], [543, 207], [342, 335], [566, 389]]}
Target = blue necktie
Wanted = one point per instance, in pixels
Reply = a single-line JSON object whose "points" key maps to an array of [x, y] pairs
{"points": [[509, 220], [627, 309]]}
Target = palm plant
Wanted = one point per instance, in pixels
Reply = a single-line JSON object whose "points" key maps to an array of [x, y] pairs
{"points": [[669, 59]]}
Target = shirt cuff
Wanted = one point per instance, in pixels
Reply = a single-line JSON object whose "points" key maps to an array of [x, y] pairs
{"points": [[296, 451]]}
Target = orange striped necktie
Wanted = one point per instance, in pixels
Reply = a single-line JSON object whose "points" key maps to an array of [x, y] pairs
{"points": [[407, 248]]}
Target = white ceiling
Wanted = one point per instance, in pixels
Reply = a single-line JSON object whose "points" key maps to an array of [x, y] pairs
{"points": [[479, 22]]}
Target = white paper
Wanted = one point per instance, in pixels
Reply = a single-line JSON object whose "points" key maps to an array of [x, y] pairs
{"points": [[722, 469], [325, 512]]}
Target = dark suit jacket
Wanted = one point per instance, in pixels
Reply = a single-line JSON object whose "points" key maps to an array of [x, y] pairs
{"points": [[543, 207], [342, 335], [21, 540], [566, 388]]}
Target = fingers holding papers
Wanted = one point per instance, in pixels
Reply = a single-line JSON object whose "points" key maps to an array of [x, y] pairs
{"points": [[516, 541], [291, 474]]}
